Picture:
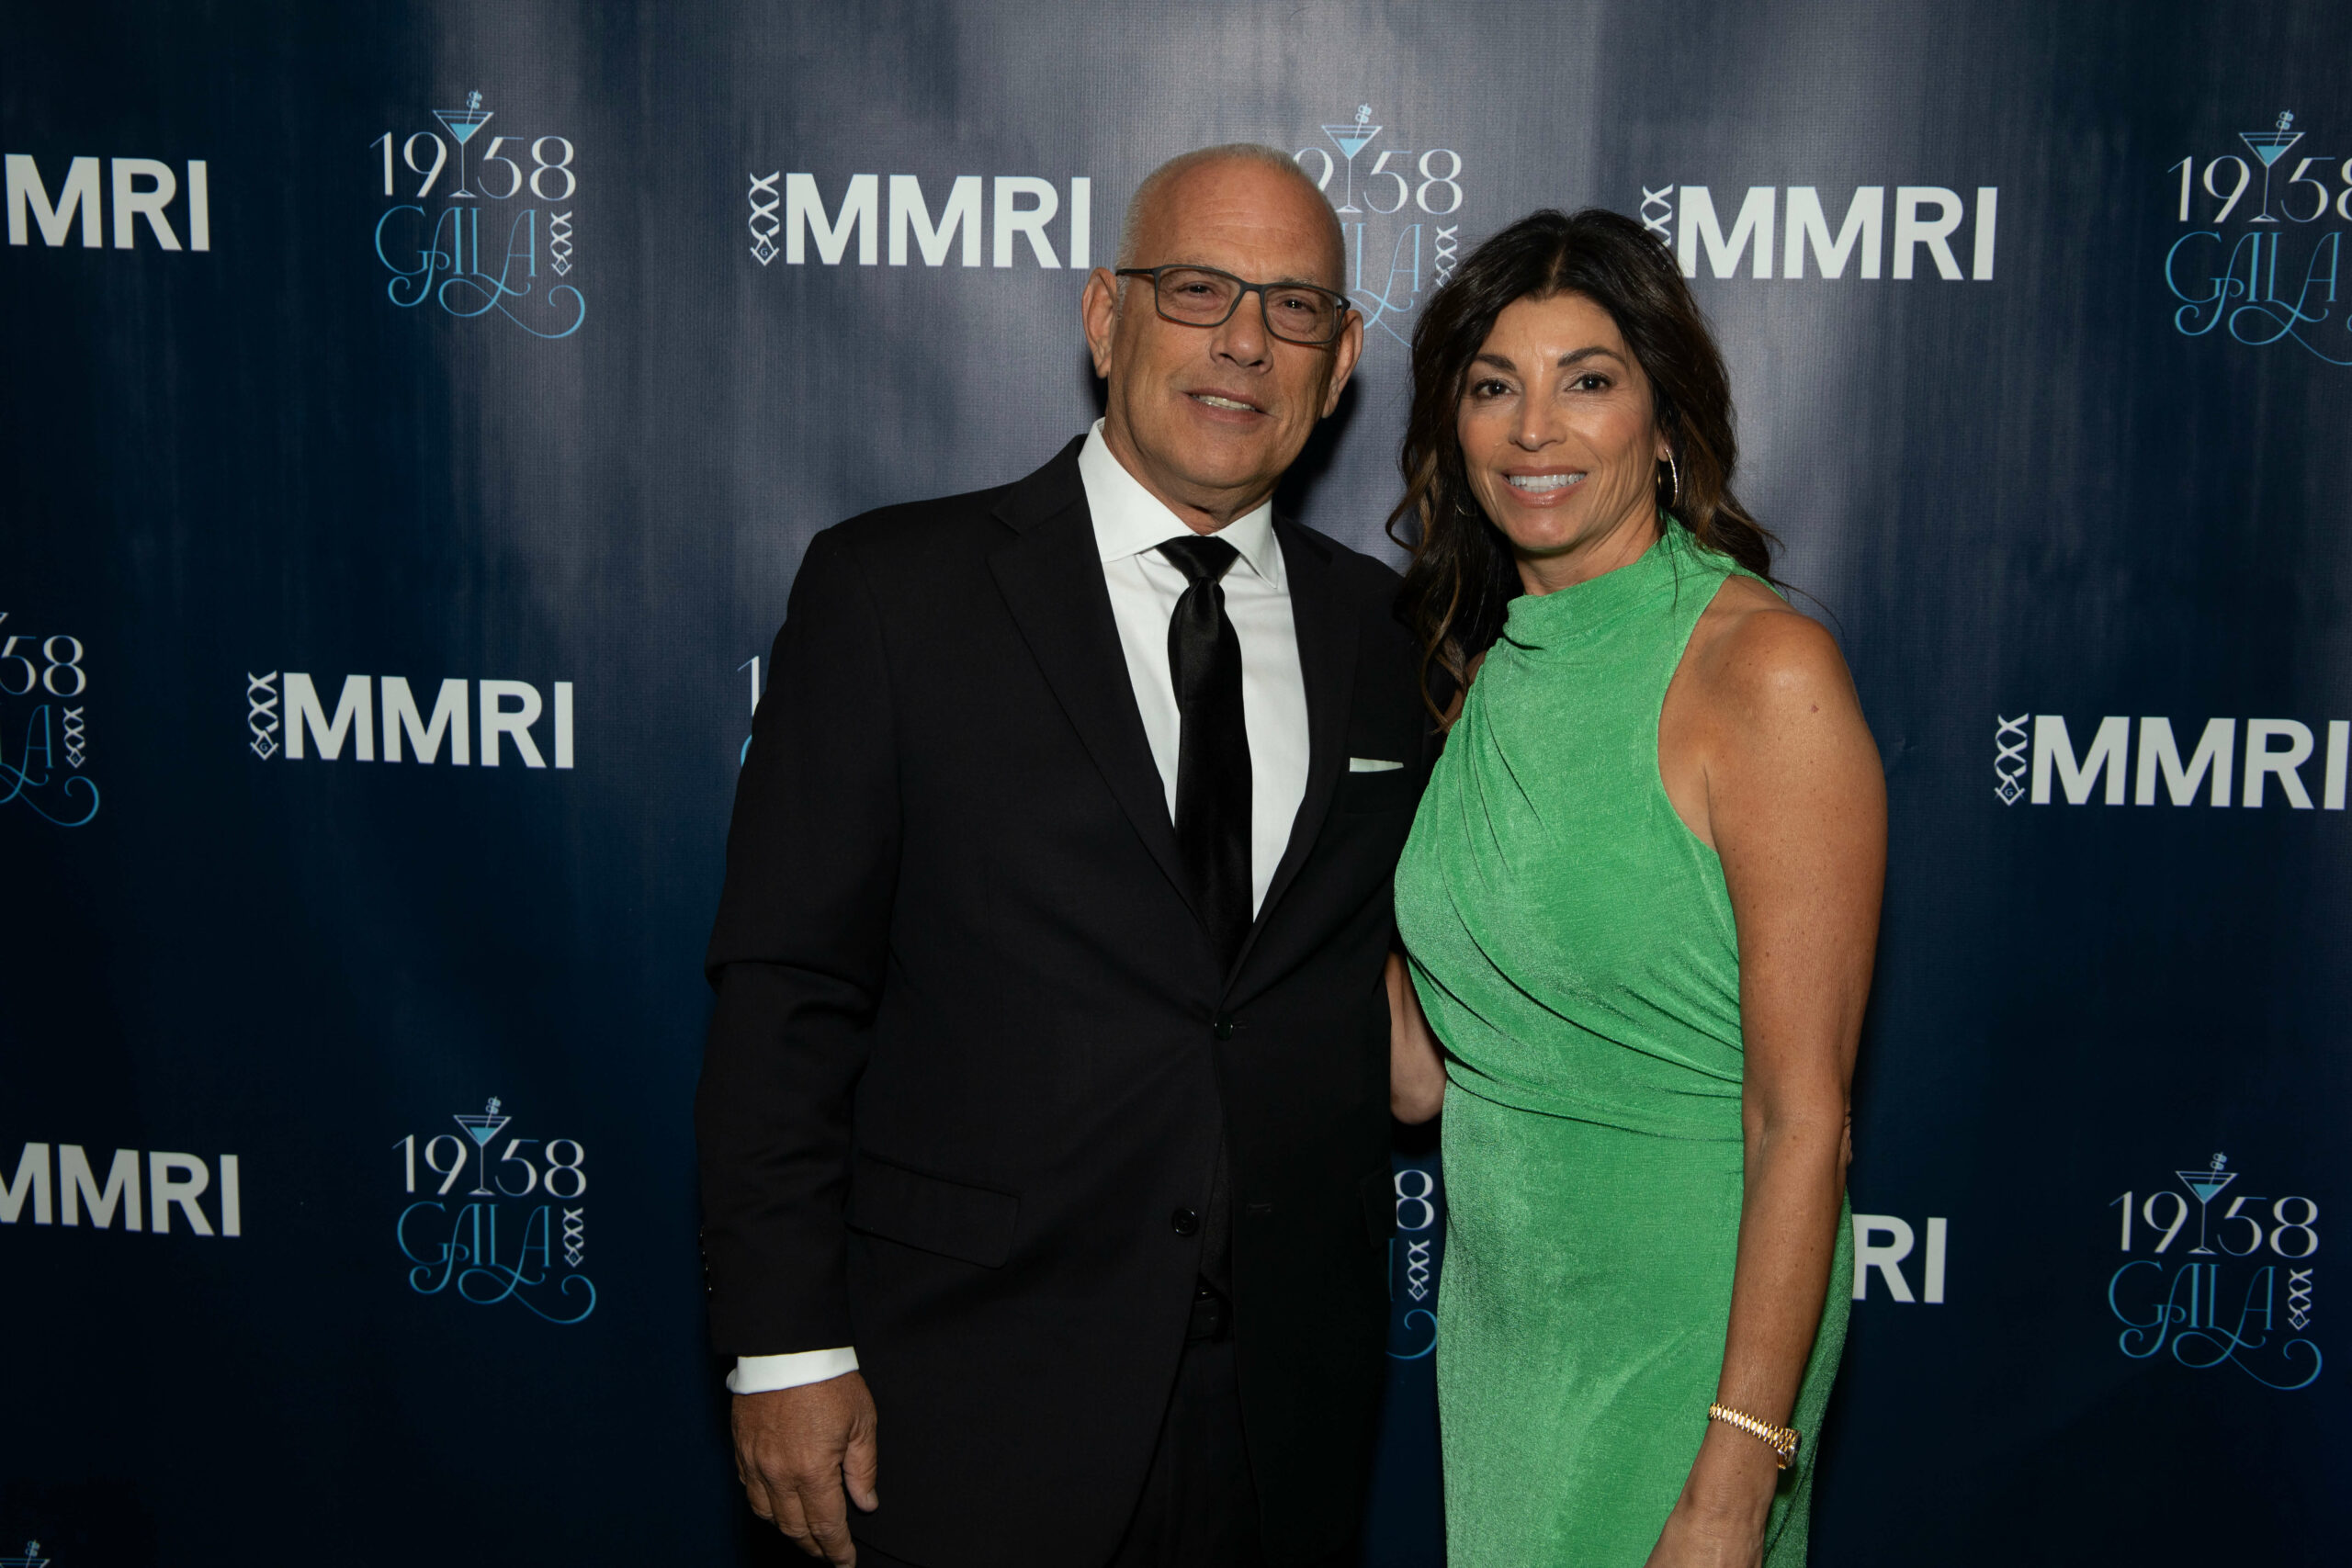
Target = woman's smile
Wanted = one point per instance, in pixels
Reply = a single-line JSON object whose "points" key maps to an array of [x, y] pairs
{"points": [[1560, 441]]}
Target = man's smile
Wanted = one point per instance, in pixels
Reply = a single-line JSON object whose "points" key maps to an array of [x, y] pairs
{"points": [[1224, 403]]}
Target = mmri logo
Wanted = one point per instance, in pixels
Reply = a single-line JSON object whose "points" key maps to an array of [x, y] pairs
{"points": [[140, 188], [173, 1181], [1923, 223], [1885, 1257], [2035, 758], [1020, 209], [509, 713]]}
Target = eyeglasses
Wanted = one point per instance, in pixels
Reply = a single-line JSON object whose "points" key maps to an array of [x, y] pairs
{"points": [[1204, 297]]}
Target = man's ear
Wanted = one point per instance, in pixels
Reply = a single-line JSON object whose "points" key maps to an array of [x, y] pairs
{"points": [[1344, 355], [1098, 313]]}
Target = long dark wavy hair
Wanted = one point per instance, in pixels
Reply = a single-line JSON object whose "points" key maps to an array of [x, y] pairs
{"points": [[1461, 579]]}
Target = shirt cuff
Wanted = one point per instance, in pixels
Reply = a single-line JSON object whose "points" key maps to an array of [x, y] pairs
{"points": [[766, 1374]]}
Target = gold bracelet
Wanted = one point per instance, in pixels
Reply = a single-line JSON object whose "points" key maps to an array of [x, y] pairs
{"points": [[1782, 1441]]}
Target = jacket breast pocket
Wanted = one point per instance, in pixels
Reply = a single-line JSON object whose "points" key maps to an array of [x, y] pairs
{"points": [[1391, 789], [974, 1224]]}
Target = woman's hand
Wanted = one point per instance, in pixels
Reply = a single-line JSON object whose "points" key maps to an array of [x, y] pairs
{"points": [[1718, 1522], [1416, 1069]]}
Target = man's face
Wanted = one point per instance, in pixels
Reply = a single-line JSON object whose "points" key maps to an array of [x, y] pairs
{"points": [[1209, 417]]}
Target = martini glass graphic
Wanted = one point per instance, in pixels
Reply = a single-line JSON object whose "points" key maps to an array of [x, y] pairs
{"points": [[462, 124], [1351, 140], [2205, 1185], [2269, 145], [481, 1129]]}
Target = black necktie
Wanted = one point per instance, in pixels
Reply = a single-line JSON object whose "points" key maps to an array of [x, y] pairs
{"points": [[1212, 785]]}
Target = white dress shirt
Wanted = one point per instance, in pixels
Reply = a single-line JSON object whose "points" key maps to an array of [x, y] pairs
{"points": [[1129, 524]]}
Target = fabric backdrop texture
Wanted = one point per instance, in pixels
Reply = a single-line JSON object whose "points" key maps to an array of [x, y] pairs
{"points": [[414, 417]]}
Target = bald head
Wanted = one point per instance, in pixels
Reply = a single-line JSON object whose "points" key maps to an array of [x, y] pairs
{"points": [[1208, 416], [1154, 217]]}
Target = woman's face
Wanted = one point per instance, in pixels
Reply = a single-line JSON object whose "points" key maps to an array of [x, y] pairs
{"points": [[1560, 438]]}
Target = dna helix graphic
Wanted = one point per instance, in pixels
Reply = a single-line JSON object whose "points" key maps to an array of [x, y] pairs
{"points": [[763, 245], [261, 713], [1661, 221], [560, 242], [1442, 254], [75, 739], [2299, 1297], [575, 1235], [2009, 760], [1416, 1270]]}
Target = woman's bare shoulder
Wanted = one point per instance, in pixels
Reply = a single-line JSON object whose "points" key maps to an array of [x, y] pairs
{"points": [[1754, 653]]}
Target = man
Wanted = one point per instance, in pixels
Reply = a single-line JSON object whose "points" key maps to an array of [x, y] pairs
{"points": [[1047, 1092]]}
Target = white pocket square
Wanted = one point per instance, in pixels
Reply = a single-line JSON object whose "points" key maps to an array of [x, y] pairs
{"points": [[1371, 765]]}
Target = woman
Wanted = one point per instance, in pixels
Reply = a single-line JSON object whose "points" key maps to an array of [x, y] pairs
{"points": [[1640, 902]]}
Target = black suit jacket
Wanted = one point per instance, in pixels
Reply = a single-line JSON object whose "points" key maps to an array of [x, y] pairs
{"points": [[972, 1055]]}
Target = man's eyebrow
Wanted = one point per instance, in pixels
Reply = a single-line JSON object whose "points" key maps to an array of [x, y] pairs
{"points": [[1289, 283], [1270, 283]]}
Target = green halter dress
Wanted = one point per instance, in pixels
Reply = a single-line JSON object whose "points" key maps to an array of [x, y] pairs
{"points": [[1573, 945]]}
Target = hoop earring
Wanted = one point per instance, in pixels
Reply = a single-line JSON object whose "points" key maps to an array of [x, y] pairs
{"points": [[1674, 475]]}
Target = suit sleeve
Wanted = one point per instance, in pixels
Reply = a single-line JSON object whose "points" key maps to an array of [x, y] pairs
{"points": [[797, 957]]}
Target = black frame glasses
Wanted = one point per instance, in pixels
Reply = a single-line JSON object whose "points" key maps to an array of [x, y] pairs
{"points": [[1242, 289]]}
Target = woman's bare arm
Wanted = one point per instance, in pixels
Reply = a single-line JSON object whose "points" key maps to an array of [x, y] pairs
{"points": [[1416, 1069], [1795, 804], [1416, 1062]]}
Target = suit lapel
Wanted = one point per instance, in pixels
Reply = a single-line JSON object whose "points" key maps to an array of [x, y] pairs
{"points": [[1051, 577], [1327, 664]]}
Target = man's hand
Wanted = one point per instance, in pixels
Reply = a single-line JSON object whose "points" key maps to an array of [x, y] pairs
{"points": [[795, 1451]]}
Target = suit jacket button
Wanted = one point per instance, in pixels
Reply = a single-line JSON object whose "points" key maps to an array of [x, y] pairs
{"points": [[1184, 1222], [1222, 1028]]}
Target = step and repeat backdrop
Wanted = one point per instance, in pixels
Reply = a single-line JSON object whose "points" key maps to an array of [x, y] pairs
{"points": [[415, 416]]}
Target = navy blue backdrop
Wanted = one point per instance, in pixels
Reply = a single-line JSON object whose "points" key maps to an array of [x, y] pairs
{"points": [[414, 415]]}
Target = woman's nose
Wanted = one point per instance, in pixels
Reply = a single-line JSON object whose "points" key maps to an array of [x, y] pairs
{"points": [[1537, 425]]}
